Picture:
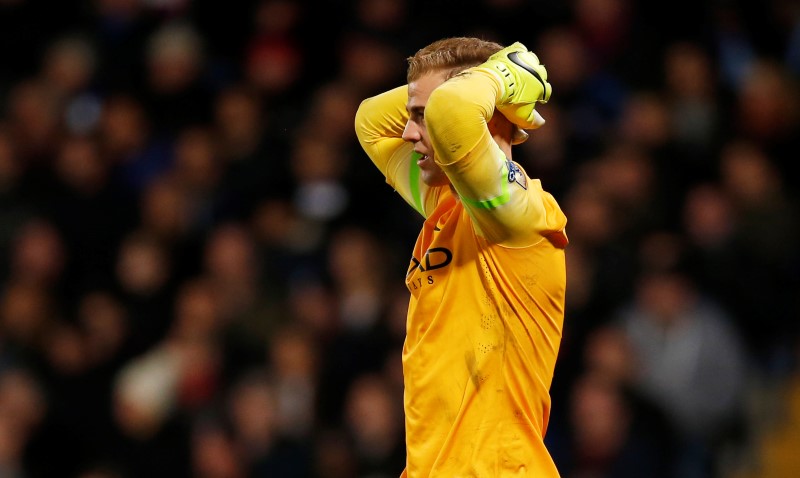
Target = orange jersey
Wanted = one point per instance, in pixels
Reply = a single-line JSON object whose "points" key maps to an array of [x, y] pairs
{"points": [[487, 281]]}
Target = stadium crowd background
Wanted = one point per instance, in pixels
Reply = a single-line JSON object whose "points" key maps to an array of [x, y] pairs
{"points": [[202, 273]]}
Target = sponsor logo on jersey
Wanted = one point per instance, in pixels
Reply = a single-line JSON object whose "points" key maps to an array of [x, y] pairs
{"points": [[434, 258]]}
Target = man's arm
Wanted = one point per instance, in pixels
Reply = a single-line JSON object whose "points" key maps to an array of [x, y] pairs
{"points": [[379, 124], [506, 206]]}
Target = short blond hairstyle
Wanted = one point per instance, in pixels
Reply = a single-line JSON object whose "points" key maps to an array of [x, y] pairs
{"points": [[452, 55]]}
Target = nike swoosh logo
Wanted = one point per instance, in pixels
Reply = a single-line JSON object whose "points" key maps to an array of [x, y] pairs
{"points": [[513, 57]]}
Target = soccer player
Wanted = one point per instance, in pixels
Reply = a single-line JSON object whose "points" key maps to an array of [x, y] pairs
{"points": [[487, 274]]}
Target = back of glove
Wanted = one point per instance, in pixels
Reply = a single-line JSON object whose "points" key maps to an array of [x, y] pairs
{"points": [[524, 84]]}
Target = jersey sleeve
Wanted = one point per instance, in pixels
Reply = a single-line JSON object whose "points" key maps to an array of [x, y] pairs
{"points": [[507, 207], [379, 125]]}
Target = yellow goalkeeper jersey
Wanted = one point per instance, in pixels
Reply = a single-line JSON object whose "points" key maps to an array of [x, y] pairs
{"points": [[487, 282]]}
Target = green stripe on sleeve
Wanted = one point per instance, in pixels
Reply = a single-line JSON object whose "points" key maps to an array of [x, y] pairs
{"points": [[413, 182], [492, 203]]}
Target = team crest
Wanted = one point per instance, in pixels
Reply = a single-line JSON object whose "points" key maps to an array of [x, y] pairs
{"points": [[515, 174]]}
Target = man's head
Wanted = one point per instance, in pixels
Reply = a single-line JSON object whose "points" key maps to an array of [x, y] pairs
{"points": [[450, 57], [427, 69]]}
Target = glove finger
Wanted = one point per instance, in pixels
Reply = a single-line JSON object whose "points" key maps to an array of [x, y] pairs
{"points": [[520, 136], [538, 120]]}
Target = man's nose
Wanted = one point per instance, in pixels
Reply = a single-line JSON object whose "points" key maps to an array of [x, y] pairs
{"points": [[411, 133]]}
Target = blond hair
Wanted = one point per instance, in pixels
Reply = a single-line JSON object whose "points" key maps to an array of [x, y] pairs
{"points": [[452, 55]]}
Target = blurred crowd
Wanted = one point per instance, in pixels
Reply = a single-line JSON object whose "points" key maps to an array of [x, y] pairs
{"points": [[201, 273]]}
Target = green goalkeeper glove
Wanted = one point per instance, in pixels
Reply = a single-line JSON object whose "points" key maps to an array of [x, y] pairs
{"points": [[524, 82]]}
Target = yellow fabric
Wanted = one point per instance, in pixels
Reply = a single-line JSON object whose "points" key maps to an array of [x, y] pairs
{"points": [[456, 115], [487, 295]]}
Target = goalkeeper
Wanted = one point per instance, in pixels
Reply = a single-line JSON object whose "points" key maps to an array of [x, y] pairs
{"points": [[487, 274]]}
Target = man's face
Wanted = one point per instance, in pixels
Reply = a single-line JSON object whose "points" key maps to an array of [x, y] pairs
{"points": [[416, 131]]}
